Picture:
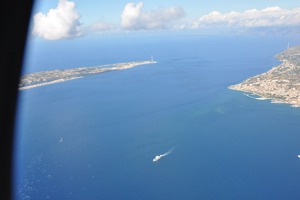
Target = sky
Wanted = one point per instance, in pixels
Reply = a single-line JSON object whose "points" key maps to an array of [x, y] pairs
{"points": [[71, 19]]}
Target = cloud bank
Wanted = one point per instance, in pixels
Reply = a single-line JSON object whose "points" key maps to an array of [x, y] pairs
{"points": [[63, 22], [59, 23], [268, 17], [134, 18]]}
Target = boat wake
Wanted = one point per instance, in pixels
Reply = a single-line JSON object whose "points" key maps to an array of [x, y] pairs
{"points": [[157, 158]]}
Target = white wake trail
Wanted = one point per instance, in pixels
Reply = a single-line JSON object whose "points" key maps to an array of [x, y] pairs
{"points": [[157, 158]]}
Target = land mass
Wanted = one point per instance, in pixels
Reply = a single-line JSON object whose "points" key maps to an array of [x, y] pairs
{"points": [[281, 84], [38, 79]]}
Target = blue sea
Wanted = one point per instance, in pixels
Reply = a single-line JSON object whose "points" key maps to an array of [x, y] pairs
{"points": [[95, 138]]}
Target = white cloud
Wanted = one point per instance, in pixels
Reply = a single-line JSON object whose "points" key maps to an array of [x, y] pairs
{"points": [[134, 18], [59, 23], [268, 17], [63, 22]]}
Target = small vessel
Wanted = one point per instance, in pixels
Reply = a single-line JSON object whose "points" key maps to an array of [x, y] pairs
{"points": [[298, 156], [157, 158]]}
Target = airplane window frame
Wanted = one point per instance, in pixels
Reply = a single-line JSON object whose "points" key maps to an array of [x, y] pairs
{"points": [[16, 15]]}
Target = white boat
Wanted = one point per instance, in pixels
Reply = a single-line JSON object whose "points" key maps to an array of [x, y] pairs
{"points": [[157, 158]]}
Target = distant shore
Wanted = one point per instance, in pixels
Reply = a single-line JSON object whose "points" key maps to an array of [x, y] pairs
{"points": [[281, 84], [39, 79]]}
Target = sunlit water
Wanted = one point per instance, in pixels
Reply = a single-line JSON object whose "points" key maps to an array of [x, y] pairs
{"points": [[96, 137]]}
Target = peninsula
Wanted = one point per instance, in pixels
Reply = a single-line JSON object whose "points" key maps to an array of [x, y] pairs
{"points": [[281, 84], [38, 79]]}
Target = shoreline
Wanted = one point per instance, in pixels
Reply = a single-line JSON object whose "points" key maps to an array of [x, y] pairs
{"points": [[280, 84], [38, 79], [262, 98]]}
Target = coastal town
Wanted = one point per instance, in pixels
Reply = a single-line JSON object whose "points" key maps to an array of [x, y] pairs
{"points": [[281, 84], [38, 79]]}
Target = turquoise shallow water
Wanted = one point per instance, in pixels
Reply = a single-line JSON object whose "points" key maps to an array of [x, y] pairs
{"points": [[95, 138]]}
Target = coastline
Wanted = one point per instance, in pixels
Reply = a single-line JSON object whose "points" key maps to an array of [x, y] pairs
{"points": [[281, 84], [39, 79]]}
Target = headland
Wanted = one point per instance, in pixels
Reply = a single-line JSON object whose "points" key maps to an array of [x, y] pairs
{"points": [[38, 79], [281, 84]]}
